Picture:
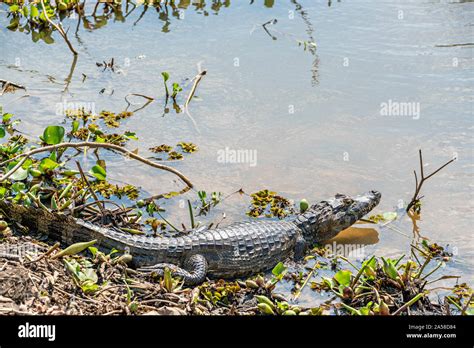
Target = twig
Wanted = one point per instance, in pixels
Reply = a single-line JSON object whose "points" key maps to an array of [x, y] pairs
{"points": [[59, 28], [50, 250], [149, 100], [419, 184], [96, 199], [466, 306], [92, 145], [409, 303], [6, 84], [197, 79], [298, 293]]}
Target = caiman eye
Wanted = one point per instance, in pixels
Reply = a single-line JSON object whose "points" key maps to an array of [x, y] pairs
{"points": [[347, 201]]}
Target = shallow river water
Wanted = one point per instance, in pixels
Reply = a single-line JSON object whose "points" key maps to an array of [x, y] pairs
{"points": [[312, 119]]}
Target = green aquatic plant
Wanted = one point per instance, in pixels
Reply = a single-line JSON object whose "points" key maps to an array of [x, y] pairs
{"points": [[269, 204]]}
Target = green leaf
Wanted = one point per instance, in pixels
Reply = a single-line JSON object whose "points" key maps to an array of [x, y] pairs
{"points": [[166, 76], [34, 13], [18, 187], [6, 117], [19, 174], [328, 282], [98, 172], [53, 135], [75, 126], [2, 132], [14, 8], [390, 269], [131, 135], [343, 277], [279, 269], [74, 249], [25, 11], [47, 164]]}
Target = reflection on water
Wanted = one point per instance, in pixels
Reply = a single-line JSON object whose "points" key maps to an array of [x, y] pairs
{"points": [[311, 113], [357, 236]]}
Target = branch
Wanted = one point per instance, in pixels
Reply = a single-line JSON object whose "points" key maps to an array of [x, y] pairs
{"points": [[59, 28], [418, 186], [193, 89], [91, 145]]}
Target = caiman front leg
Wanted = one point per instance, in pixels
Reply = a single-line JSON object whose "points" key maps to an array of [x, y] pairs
{"points": [[194, 270], [300, 248]]}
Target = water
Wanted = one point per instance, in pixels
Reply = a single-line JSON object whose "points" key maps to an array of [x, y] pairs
{"points": [[313, 116]]}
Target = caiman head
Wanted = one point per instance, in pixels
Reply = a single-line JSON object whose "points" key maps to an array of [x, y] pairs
{"points": [[324, 220]]}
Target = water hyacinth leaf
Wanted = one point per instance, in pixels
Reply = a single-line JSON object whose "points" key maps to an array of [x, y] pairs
{"points": [[265, 309], [279, 269], [47, 164], [14, 8], [14, 23], [265, 299], [75, 126], [34, 13], [74, 249], [84, 275], [390, 269], [343, 277], [131, 135], [98, 172], [19, 175], [53, 135], [18, 187], [6, 117]]}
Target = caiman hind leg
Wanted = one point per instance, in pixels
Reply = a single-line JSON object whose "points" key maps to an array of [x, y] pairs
{"points": [[194, 270]]}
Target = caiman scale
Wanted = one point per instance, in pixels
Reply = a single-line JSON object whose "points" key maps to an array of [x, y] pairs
{"points": [[237, 250]]}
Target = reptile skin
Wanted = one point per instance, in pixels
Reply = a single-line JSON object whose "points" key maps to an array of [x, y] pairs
{"points": [[238, 250]]}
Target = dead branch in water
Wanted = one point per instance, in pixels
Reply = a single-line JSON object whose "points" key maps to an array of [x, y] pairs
{"points": [[59, 28], [416, 198], [8, 84], [197, 79], [26, 155]]}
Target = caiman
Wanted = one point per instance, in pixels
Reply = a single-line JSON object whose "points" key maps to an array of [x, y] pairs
{"points": [[238, 250]]}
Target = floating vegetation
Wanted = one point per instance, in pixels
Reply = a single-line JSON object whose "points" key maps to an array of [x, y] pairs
{"points": [[173, 154], [107, 65], [188, 147], [208, 201], [9, 87], [269, 204], [161, 148]]}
